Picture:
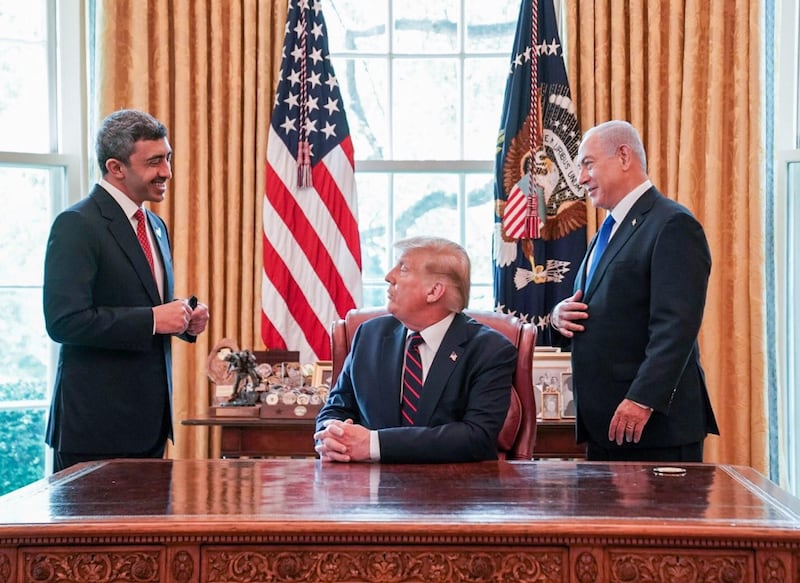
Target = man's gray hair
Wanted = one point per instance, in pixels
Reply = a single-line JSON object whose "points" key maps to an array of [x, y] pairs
{"points": [[120, 131], [616, 133]]}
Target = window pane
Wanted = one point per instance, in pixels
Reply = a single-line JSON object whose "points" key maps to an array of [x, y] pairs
{"points": [[364, 86], [355, 25], [24, 102], [479, 226], [22, 448], [26, 347], [490, 30], [481, 297], [425, 102], [426, 204], [426, 26], [792, 313], [373, 221], [484, 89], [26, 218]]}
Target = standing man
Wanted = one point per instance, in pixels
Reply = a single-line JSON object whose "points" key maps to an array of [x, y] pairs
{"points": [[426, 383], [636, 313], [108, 285]]}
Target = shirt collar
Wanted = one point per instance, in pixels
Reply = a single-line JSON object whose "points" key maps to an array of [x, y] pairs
{"points": [[620, 211], [434, 334], [128, 206]]}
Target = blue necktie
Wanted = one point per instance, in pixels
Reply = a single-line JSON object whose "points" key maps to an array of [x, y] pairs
{"points": [[602, 243], [412, 380]]}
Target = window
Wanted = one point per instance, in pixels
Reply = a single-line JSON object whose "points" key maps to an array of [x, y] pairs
{"points": [[783, 238], [40, 163], [423, 85]]}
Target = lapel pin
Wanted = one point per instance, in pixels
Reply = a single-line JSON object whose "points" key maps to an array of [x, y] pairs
{"points": [[453, 356], [158, 232], [633, 223]]}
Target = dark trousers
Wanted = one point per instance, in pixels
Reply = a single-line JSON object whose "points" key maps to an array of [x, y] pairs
{"points": [[690, 452]]}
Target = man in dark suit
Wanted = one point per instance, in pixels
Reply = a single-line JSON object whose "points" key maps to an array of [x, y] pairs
{"points": [[639, 386], [466, 371], [108, 299]]}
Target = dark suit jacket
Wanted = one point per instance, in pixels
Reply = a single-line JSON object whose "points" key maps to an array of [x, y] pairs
{"points": [[464, 401], [113, 385], [646, 302]]}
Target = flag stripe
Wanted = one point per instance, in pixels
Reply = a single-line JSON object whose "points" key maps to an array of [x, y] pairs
{"points": [[305, 217], [312, 251], [298, 318]]}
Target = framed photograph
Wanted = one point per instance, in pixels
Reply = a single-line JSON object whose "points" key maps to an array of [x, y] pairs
{"points": [[551, 404], [548, 367], [322, 374], [567, 396]]}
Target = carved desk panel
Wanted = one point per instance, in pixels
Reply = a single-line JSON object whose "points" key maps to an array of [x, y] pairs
{"points": [[259, 521]]}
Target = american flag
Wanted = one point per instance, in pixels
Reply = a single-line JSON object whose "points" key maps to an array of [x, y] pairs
{"points": [[312, 252], [540, 209]]}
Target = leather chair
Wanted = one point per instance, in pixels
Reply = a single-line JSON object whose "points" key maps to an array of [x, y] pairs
{"points": [[518, 435]]}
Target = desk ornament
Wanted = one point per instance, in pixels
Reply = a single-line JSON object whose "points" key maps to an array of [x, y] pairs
{"points": [[235, 374], [291, 394]]}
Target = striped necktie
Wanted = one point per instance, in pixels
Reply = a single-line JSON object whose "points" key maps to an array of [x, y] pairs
{"points": [[412, 380]]}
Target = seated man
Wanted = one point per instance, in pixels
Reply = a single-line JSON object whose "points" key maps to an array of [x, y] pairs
{"points": [[441, 398]]}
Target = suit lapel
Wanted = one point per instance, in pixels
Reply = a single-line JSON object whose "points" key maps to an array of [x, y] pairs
{"points": [[633, 221], [393, 345], [444, 363], [120, 228], [162, 248]]}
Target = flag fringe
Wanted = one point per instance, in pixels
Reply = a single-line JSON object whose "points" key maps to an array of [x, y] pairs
{"points": [[304, 165]]}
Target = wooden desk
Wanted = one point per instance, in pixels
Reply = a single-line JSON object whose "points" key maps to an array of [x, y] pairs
{"points": [[280, 520], [254, 437]]}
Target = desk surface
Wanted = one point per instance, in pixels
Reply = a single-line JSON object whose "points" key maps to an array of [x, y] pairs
{"points": [[251, 521], [600, 496]]}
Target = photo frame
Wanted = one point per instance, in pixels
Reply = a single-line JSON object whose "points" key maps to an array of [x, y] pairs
{"points": [[548, 367], [323, 370], [551, 404], [567, 396]]}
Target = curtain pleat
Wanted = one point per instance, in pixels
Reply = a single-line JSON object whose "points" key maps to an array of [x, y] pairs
{"points": [[208, 70], [686, 74]]}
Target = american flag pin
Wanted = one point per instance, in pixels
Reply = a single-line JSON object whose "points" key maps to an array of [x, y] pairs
{"points": [[453, 356]]}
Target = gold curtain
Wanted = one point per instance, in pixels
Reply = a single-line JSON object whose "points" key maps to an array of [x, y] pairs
{"points": [[686, 74], [208, 70]]}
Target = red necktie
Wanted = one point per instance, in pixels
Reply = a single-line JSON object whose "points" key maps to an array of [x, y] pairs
{"points": [[412, 379], [141, 233]]}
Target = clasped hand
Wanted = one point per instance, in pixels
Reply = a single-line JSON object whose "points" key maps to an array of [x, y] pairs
{"points": [[342, 441], [177, 317]]}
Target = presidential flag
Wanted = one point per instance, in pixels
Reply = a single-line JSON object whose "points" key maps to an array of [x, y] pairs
{"points": [[312, 252], [540, 209]]}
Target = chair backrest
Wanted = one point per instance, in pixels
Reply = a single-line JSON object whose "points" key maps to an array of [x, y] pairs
{"points": [[518, 435]]}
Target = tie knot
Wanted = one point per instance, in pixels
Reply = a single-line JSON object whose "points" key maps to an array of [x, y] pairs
{"points": [[139, 215], [414, 340], [609, 222]]}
